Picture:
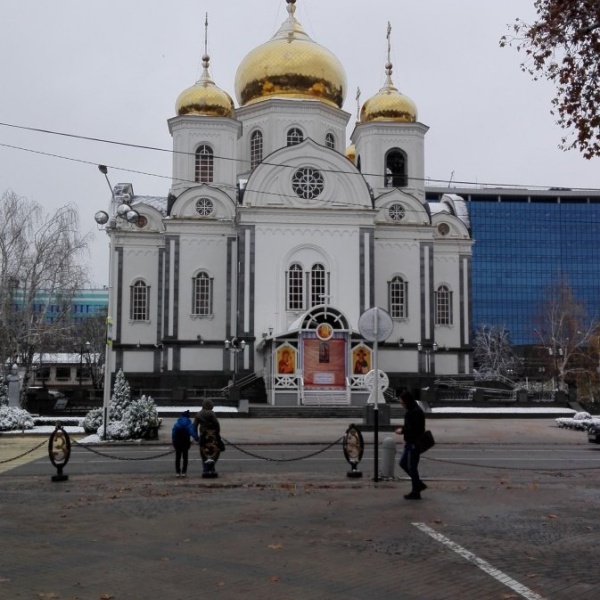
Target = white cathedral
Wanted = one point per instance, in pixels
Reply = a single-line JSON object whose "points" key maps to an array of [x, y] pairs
{"points": [[277, 234]]}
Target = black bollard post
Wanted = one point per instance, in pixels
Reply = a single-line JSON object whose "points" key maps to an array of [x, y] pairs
{"points": [[59, 451]]}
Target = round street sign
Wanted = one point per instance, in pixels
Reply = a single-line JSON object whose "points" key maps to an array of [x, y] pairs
{"points": [[375, 324]]}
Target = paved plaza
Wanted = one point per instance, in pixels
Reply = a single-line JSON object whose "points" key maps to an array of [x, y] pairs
{"points": [[485, 533]]}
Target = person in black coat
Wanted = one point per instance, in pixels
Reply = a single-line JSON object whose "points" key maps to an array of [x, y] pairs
{"points": [[182, 430], [412, 430]]}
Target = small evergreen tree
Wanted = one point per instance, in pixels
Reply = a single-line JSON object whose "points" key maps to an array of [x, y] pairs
{"points": [[121, 398]]}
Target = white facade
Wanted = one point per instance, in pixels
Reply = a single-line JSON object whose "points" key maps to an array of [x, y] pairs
{"points": [[273, 239]]}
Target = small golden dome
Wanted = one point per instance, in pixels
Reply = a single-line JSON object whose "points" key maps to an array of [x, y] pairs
{"points": [[291, 65], [204, 97], [389, 104], [351, 153]]}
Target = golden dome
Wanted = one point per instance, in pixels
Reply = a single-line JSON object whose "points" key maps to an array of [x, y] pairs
{"points": [[351, 153], [291, 65], [389, 104], [204, 97]]}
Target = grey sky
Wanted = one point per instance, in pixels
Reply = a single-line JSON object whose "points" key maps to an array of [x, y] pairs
{"points": [[113, 70]]}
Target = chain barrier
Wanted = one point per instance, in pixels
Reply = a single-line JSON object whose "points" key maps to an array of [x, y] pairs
{"points": [[111, 456], [24, 453], [512, 468], [270, 459]]}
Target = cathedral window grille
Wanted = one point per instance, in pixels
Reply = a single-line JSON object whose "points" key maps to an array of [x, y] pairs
{"points": [[395, 169], [396, 212], [204, 164], [318, 285], [330, 141], [205, 207], [256, 149], [295, 287], [307, 183], [140, 301], [202, 302], [443, 306], [398, 298], [294, 136]]}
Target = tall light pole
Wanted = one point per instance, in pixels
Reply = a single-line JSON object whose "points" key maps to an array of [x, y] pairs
{"points": [[81, 349], [234, 346], [108, 222]]}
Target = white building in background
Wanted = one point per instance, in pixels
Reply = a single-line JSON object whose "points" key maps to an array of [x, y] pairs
{"points": [[278, 233]]}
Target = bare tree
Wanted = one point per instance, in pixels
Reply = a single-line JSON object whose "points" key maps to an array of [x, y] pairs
{"points": [[563, 46], [40, 270], [492, 350], [566, 331]]}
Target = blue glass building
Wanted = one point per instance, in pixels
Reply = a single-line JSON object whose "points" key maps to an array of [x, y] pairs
{"points": [[525, 242]]}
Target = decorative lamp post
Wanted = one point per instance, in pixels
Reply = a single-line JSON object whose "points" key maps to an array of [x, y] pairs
{"points": [[235, 346], [109, 222], [428, 350]]}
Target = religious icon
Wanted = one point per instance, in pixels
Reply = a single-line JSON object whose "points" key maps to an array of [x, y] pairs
{"points": [[323, 352], [285, 361], [324, 331], [361, 361]]}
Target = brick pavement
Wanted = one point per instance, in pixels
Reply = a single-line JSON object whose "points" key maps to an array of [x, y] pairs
{"points": [[301, 537]]}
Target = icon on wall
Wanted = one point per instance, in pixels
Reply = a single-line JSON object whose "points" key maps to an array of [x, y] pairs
{"points": [[324, 331], [361, 360], [286, 360]]}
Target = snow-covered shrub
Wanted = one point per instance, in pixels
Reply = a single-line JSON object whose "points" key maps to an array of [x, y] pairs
{"points": [[142, 418], [93, 420], [128, 419], [579, 421], [117, 430], [13, 418]]}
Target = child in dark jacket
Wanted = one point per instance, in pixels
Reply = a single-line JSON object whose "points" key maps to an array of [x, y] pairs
{"points": [[180, 438]]}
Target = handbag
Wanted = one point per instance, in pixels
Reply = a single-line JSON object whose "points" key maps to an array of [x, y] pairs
{"points": [[425, 442]]}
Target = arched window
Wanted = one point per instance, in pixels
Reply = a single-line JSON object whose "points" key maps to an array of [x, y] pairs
{"points": [[256, 149], [139, 301], [395, 169], [202, 295], [204, 164], [443, 306], [330, 141], [318, 285], [398, 298], [294, 136], [295, 287]]}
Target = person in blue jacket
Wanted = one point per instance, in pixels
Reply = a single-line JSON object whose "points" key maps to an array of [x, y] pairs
{"points": [[182, 430]]}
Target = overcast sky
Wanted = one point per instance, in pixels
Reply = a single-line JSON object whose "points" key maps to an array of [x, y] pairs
{"points": [[113, 70]]}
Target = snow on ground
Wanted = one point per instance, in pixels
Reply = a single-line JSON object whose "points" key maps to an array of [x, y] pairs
{"points": [[501, 409]]}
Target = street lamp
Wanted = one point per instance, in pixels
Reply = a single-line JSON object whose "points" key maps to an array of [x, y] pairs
{"points": [[119, 209], [428, 350], [81, 349], [235, 346]]}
